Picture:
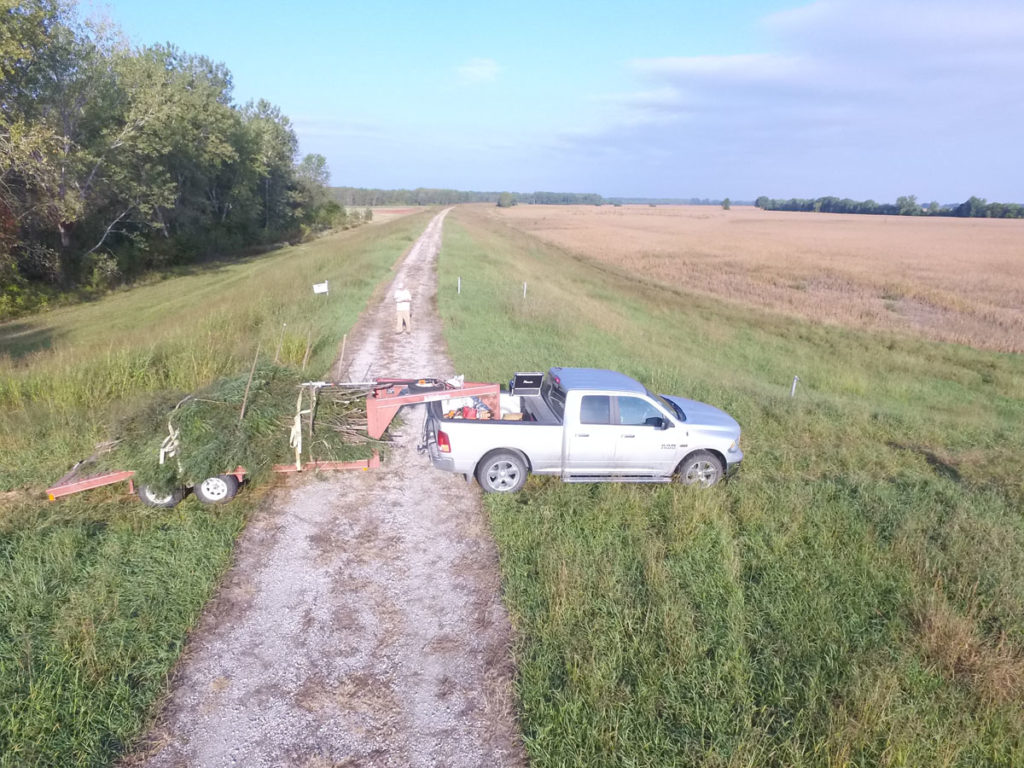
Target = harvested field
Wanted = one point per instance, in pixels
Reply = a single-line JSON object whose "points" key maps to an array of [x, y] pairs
{"points": [[957, 280], [383, 214]]}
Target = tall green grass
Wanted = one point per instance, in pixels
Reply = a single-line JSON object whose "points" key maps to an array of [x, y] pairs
{"points": [[97, 593], [855, 596], [65, 379]]}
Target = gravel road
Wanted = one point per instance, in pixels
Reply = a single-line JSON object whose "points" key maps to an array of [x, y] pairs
{"points": [[361, 623]]}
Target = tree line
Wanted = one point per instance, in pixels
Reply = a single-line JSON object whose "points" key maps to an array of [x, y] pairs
{"points": [[357, 196], [973, 207], [508, 199], [115, 160]]}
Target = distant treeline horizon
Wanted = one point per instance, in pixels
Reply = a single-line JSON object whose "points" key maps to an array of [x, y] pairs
{"points": [[907, 205], [361, 196]]}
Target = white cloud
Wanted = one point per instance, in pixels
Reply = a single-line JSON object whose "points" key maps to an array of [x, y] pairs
{"points": [[316, 126], [847, 90], [735, 68], [478, 71]]}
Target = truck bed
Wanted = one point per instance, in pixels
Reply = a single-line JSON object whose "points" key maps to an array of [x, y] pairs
{"points": [[534, 410]]}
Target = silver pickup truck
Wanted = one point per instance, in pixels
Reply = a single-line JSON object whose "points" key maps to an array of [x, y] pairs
{"points": [[585, 425]]}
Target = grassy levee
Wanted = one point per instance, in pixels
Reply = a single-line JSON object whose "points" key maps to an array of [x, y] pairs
{"points": [[855, 596], [97, 592]]}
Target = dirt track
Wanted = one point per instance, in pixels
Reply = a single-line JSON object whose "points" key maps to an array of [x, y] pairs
{"points": [[361, 623]]}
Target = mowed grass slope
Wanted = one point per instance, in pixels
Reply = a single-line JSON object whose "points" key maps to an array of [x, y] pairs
{"points": [[97, 592], [854, 597]]}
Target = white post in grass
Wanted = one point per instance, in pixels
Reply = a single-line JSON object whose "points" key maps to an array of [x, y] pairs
{"points": [[460, 285], [524, 289], [792, 392]]}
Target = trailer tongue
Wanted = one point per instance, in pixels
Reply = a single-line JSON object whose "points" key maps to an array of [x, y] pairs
{"points": [[391, 394]]}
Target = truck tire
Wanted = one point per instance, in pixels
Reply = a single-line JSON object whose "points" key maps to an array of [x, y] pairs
{"points": [[502, 472], [700, 468], [217, 490], [153, 498]]}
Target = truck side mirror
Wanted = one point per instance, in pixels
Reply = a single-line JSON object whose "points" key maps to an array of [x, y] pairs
{"points": [[657, 422]]}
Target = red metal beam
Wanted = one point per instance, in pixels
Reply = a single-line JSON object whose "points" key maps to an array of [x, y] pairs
{"points": [[383, 403], [88, 483]]}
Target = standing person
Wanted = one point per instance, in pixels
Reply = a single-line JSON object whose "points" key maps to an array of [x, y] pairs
{"points": [[403, 304]]}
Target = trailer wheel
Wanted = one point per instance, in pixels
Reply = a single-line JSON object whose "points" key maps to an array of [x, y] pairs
{"points": [[217, 490], [502, 472], [701, 468], [166, 500]]}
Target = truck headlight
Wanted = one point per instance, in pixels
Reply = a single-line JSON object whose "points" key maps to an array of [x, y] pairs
{"points": [[735, 446]]}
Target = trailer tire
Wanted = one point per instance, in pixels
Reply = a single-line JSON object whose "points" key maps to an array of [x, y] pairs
{"points": [[502, 471], [153, 498], [701, 468], [219, 489]]}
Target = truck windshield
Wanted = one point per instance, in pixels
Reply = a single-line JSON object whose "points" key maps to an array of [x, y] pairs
{"points": [[669, 405], [553, 396]]}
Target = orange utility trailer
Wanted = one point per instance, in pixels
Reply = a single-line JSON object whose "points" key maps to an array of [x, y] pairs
{"points": [[385, 398]]}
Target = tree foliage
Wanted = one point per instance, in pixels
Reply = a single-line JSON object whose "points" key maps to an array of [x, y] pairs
{"points": [[353, 196], [115, 160], [906, 205]]}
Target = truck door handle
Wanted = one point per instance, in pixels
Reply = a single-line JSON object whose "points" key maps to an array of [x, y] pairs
{"points": [[629, 435], [579, 434]]}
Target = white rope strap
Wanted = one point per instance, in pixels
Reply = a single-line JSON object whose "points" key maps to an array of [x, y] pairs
{"points": [[171, 444]]}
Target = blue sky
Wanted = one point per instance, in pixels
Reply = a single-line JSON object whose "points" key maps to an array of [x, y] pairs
{"points": [[854, 98]]}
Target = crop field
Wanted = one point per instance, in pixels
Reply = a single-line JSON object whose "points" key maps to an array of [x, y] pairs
{"points": [[956, 280], [97, 591], [390, 213], [855, 596]]}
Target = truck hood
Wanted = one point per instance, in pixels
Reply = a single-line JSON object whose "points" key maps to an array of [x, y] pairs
{"points": [[703, 415]]}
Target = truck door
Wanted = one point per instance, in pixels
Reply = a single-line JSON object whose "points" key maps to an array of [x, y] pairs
{"points": [[591, 437], [642, 446]]}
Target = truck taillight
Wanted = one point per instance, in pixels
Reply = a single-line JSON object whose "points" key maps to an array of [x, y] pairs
{"points": [[444, 445]]}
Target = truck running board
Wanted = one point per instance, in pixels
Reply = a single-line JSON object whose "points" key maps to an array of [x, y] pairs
{"points": [[615, 479]]}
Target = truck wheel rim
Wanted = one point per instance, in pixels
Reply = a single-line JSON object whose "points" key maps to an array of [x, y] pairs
{"points": [[159, 498], [502, 475], [702, 472], [214, 488]]}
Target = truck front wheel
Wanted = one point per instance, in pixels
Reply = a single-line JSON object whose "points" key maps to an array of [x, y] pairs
{"points": [[502, 472], [701, 468]]}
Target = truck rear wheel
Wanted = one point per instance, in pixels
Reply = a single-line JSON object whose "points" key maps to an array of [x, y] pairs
{"points": [[502, 472]]}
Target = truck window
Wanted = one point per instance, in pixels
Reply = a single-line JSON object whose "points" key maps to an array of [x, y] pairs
{"points": [[634, 411], [554, 397], [596, 409]]}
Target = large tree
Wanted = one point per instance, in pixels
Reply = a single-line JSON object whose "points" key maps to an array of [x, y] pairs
{"points": [[275, 147], [111, 151]]}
